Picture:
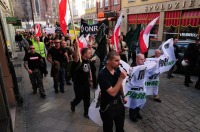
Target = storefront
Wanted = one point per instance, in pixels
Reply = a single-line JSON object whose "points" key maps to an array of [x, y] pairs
{"points": [[177, 19], [110, 15], [90, 18]]}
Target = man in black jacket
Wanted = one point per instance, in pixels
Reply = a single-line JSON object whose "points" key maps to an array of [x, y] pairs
{"points": [[18, 39], [176, 51]]}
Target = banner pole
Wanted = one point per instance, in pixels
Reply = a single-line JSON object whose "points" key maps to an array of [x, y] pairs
{"points": [[74, 29]]}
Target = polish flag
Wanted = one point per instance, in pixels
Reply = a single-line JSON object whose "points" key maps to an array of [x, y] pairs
{"points": [[82, 42], [144, 36], [87, 37], [63, 15], [117, 33], [37, 30]]}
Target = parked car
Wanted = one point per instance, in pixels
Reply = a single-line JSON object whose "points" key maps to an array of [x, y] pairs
{"points": [[182, 47]]}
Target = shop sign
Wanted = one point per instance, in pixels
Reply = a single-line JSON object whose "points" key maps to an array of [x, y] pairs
{"points": [[11, 20], [188, 34], [174, 5], [94, 16]]}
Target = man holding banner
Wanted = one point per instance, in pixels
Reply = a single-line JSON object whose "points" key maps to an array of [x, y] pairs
{"points": [[135, 91], [110, 82]]}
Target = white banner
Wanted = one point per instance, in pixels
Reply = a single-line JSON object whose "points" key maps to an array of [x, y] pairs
{"points": [[164, 63], [50, 30], [134, 89]]}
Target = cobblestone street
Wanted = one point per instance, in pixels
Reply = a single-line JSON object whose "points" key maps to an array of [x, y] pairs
{"points": [[178, 112]]}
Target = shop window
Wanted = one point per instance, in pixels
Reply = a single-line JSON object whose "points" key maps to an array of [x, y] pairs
{"points": [[154, 33], [188, 32], [170, 32]]}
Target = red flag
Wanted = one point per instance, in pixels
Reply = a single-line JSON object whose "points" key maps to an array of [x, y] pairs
{"points": [[117, 32], [63, 15], [144, 36], [37, 30]]}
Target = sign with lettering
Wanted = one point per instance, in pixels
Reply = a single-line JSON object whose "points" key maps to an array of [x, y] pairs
{"points": [[92, 29], [172, 5]]}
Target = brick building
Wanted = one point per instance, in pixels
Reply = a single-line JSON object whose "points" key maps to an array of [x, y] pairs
{"points": [[108, 9]]}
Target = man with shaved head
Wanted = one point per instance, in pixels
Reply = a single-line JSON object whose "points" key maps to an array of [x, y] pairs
{"points": [[134, 114]]}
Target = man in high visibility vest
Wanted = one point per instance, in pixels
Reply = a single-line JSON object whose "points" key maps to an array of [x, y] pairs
{"points": [[40, 48]]}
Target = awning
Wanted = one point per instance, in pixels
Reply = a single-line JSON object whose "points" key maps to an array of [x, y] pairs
{"points": [[172, 18], [190, 17], [142, 18]]}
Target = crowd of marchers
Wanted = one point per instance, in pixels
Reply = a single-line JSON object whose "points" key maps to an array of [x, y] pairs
{"points": [[72, 65]]}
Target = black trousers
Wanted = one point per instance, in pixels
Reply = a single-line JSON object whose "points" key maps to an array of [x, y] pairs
{"points": [[113, 112], [82, 93], [188, 72]]}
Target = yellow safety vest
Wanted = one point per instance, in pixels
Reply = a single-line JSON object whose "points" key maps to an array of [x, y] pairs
{"points": [[39, 48]]}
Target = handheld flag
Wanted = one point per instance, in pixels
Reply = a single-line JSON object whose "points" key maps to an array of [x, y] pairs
{"points": [[63, 15], [144, 36], [117, 32], [37, 30]]}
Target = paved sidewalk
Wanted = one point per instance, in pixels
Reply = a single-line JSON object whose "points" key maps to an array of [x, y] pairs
{"points": [[179, 110]]}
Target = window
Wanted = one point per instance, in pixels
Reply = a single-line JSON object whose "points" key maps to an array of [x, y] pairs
{"points": [[101, 3], [115, 2], [106, 3], [87, 4], [92, 3], [130, 0], [37, 7], [83, 4]]}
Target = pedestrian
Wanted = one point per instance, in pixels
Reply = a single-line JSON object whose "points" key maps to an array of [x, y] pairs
{"points": [[65, 64], [92, 64], [40, 48], [82, 78], [55, 57], [25, 44], [176, 51], [134, 114], [110, 81], [18, 39], [157, 54], [32, 63], [122, 48], [190, 56]]}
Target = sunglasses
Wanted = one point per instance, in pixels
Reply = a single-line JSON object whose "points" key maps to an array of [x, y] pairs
{"points": [[57, 42], [31, 48]]}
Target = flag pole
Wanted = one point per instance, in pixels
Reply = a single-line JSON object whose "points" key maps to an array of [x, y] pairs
{"points": [[74, 29]]}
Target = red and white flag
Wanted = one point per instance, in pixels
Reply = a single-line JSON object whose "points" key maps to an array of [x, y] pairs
{"points": [[82, 42], [87, 37], [144, 36], [117, 33], [63, 15], [37, 30]]}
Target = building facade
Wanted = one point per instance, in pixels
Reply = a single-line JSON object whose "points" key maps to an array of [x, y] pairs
{"points": [[7, 86], [36, 11], [90, 12], [177, 19], [109, 9]]}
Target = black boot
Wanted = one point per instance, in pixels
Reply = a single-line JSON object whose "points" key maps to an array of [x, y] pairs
{"points": [[139, 116], [197, 85], [133, 115]]}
